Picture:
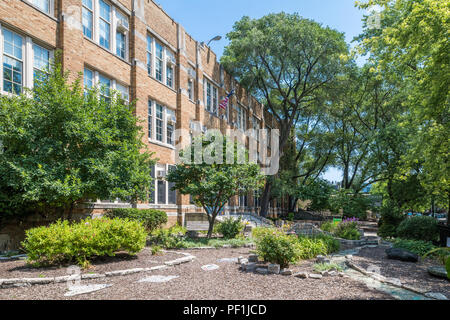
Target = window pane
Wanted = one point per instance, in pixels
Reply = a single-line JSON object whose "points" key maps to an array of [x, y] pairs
{"points": [[169, 76], [87, 23], [12, 75], [87, 3], [105, 85], [44, 5], [105, 11], [121, 43], [41, 58], [12, 44], [123, 90], [104, 34], [150, 119], [159, 122]]}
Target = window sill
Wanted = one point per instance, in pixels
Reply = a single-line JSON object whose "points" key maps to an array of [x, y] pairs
{"points": [[107, 50], [162, 144]]}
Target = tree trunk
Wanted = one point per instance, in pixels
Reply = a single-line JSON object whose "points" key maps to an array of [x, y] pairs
{"points": [[265, 199], [211, 221]]}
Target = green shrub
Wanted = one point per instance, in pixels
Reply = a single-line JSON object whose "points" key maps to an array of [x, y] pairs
{"points": [[291, 216], [64, 242], [259, 232], [329, 226], [230, 227], [419, 228], [332, 244], [391, 217], [171, 238], [152, 219], [347, 229], [419, 247], [279, 248]]}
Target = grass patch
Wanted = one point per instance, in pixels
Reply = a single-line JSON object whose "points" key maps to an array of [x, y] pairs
{"points": [[320, 267]]}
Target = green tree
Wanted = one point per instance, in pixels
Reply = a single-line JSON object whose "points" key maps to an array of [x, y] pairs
{"points": [[62, 147], [212, 183], [284, 60], [412, 44]]}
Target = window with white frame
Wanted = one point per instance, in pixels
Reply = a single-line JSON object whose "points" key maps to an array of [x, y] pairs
{"points": [[211, 97], [88, 80], [106, 25], [44, 5], [170, 61], [88, 18], [161, 123], [22, 62], [124, 93], [41, 63], [159, 62], [105, 88], [149, 55], [162, 193], [13, 58], [170, 118], [121, 37], [190, 89], [94, 78]]}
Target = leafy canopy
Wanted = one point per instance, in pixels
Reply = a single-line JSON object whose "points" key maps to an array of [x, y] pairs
{"points": [[61, 146]]}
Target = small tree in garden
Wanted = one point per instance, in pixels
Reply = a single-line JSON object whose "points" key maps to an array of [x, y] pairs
{"points": [[211, 185], [61, 146]]}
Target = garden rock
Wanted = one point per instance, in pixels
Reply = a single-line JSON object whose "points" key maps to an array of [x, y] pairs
{"points": [[402, 255], [250, 267], [322, 259], [77, 290], [262, 271], [273, 268], [286, 272], [253, 258], [302, 275], [210, 267], [315, 276], [436, 271]]}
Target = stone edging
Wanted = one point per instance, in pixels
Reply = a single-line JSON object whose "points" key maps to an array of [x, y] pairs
{"points": [[225, 246], [26, 282]]}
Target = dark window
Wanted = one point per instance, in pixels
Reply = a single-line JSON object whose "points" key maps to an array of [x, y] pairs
{"points": [[172, 193], [161, 192]]}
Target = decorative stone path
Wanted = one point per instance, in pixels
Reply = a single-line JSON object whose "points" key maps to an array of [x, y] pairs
{"points": [[22, 282]]}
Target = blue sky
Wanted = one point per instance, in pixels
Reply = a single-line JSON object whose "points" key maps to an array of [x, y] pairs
{"points": [[205, 19]]}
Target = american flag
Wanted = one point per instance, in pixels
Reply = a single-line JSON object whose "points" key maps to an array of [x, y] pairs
{"points": [[224, 102]]}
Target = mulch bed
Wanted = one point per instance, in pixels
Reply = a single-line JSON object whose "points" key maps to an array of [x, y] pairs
{"points": [[410, 273], [144, 259], [225, 283]]}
